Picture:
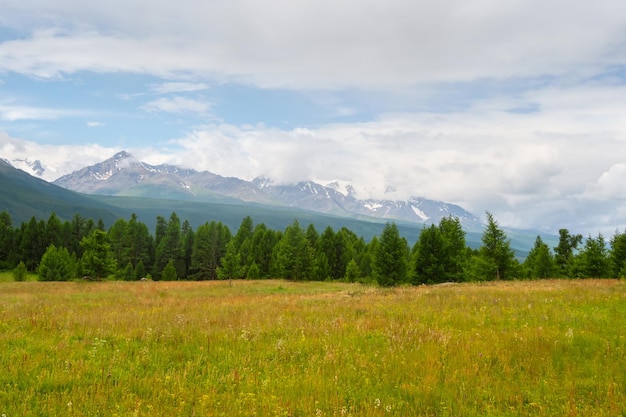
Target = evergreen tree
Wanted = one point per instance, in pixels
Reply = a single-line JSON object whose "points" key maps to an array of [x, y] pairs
{"points": [[56, 265], [141, 243], [140, 270], [7, 241], [230, 264], [564, 252], [454, 248], [119, 238], [19, 273], [353, 272], [32, 243], [169, 248], [187, 237], [497, 260], [293, 256], [78, 230], [618, 255], [262, 247], [540, 263], [391, 258], [208, 248], [594, 258], [129, 272], [254, 272], [169, 272], [98, 260], [430, 257], [53, 231]]}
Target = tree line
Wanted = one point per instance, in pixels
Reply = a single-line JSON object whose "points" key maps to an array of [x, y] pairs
{"points": [[127, 250]]}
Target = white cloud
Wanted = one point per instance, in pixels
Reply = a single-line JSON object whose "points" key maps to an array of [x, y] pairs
{"points": [[57, 160], [178, 105], [95, 124], [549, 153], [308, 44], [12, 113], [178, 87]]}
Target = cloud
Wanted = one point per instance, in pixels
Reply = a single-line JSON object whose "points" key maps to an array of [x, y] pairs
{"points": [[95, 124], [178, 105], [12, 113], [57, 160], [178, 87], [306, 44]]}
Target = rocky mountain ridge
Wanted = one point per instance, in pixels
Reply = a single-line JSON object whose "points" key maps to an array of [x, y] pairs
{"points": [[123, 175]]}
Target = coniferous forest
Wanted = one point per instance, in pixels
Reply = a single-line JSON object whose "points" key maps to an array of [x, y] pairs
{"points": [[84, 249]]}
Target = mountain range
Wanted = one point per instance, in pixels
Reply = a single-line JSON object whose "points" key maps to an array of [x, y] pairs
{"points": [[124, 175], [122, 185]]}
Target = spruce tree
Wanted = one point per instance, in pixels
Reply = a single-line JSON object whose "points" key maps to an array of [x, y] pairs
{"points": [[391, 258], [495, 253]]}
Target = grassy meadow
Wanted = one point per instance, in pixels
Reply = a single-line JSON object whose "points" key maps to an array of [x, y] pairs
{"points": [[278, 348]]}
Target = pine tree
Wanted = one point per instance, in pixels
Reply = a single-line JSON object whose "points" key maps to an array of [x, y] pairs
{"points": [[540, 263], [391, 258], [455, 248], [19, 273], [495, 253], [595, 259], [97, 260], [565, 251], [169, 272], [209, 247], [7, 241], [169, 247], [56, 265], [618, 255], [430, 257]]}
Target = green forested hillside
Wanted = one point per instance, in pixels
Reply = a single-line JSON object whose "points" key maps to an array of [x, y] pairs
{"points": [[24, 196]]}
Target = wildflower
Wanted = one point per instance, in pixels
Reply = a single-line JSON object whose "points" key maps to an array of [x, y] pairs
{"points": [[377, 403]]}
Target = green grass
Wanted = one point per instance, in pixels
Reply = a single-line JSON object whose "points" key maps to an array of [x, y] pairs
{"points": [[7, 276], [277, 348]]}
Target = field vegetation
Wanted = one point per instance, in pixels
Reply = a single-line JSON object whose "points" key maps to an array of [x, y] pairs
{"points": [[285, 348]]}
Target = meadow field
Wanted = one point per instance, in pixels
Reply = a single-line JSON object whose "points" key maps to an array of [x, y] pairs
{"points": [[280, 348]]}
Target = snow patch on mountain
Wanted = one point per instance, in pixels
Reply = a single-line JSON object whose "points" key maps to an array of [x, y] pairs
{"points": [[35, 167], [420, 213]]}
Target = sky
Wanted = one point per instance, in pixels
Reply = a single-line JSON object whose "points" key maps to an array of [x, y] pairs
{"points": [[517, 108]]}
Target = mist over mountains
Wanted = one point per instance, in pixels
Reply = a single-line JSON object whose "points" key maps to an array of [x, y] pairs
{"points": [[123, 175]]}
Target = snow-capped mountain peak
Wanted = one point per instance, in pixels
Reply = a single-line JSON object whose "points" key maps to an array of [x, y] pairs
{"points": [[122, 175]]}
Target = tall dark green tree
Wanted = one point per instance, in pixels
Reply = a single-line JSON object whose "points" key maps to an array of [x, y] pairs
{"points": [[540, 263], [186, 244], [231, 267], [98, 260], [430, 257], [169, 248], [209, 246], [293, 256], [594, 258], [496, 258], [7, 241], [78, 230], [32, 242], [565, 251], [263, 242], [53, 230], [391, 258], [141, 246], [618, 254], [455, 257]]}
